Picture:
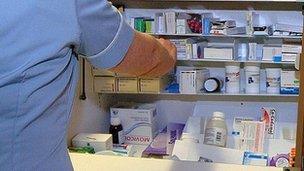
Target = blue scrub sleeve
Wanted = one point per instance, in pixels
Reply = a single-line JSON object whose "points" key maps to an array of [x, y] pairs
{"points": [[105, 36]]}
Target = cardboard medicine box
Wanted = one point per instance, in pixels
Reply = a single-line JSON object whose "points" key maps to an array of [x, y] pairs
{"points": [[152, 85], [138, 122], [100, 142], [290, 82], [291, 48], [191, 82], [104, 84], [127, 85]]}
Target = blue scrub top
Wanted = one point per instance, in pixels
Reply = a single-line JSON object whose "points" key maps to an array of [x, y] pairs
{"points": [[38, 73]]}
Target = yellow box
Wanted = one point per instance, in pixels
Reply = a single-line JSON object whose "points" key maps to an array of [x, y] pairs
{"points": [[127, 85], [104, 84], [152, 85]]}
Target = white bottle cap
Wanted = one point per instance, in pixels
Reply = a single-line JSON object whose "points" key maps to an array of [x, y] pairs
{"points": [[218, 114], [211, 85], [115, 121]]}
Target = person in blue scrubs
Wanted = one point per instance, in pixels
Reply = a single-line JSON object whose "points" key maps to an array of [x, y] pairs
{"points": [[39, 70]]}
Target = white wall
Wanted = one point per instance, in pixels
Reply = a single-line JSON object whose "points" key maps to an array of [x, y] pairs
{"points": [[87, 115]]}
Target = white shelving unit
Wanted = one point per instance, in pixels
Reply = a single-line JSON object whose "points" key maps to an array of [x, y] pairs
{"points": [[299, 38], [82, 162], [175, 107], [262, 94], [261, 62], [192, 98]]}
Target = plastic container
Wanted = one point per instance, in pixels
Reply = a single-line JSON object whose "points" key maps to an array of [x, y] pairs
{"points": [[216, 130], [252, 74], [242, 51], [273, 80], [213, 84], [116, 130], [232, 78], [252, 54]]}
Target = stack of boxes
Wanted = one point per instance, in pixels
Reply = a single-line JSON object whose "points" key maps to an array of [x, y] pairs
{"points": [[290, 52], [109, 82], [195, 49], [180, 47]]}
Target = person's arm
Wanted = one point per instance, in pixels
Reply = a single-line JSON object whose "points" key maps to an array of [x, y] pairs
{"points": [[110, 43], [147, 56]]}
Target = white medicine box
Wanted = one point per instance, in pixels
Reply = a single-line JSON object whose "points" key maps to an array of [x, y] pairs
{"points": [[138, 122], [290, 82], [100, 142], [191, 82], [270, 52]]}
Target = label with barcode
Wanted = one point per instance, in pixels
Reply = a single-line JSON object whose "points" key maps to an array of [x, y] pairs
{"points": [[218, 136], [215, 136]]}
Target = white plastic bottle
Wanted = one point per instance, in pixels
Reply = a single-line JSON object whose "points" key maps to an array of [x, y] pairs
{"points": [[273, 80], [216, 130], [232, 80], [252, 73]]}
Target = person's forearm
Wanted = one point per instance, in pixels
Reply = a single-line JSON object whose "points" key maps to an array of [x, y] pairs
{"points": [[144, 56]]}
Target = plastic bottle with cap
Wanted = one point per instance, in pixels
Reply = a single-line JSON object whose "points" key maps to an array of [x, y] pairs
{"points": [[232, 78], [216, 130], [213, 84], [116, 130], [252, 74]]}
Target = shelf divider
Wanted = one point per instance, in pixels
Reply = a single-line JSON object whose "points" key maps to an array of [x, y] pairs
{"points": [[215, 60], [148, 97], [299, 163], [227, 36]]}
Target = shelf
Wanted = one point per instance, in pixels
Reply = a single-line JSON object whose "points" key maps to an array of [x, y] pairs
{"points": [[182, 35], [104, 162], [214, 60], [214, 94], [235, 0], [286, 37], [263, 97], [270, 5], [228, 36]]}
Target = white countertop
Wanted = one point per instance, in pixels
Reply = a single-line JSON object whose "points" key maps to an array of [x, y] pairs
{"points": [[89, 162]]}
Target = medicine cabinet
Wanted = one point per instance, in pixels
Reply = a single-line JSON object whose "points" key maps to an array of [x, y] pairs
{"points": [[176, 107]]}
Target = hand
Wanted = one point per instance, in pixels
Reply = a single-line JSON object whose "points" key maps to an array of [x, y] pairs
{"points": [[147, 57], [167, 59], [170, 47]]}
